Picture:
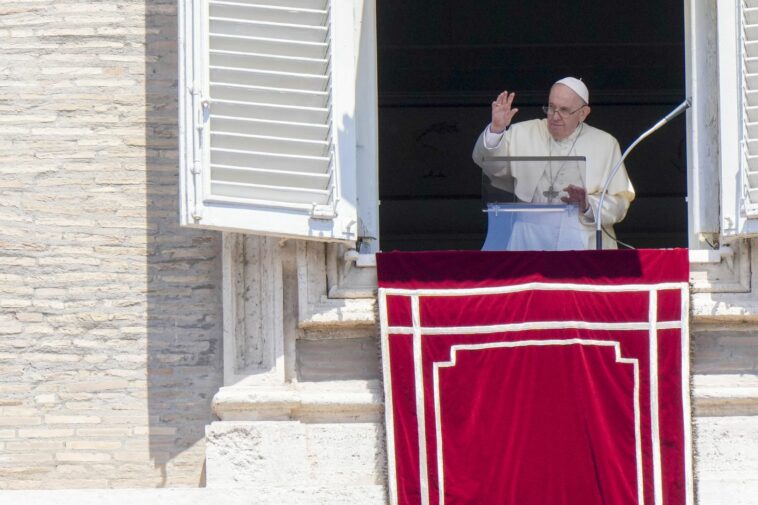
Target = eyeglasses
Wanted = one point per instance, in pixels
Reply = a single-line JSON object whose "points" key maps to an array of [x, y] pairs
{"points": [[563, 112]]}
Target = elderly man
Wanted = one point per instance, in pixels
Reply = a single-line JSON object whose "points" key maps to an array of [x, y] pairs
{"points": [[563, 133]]}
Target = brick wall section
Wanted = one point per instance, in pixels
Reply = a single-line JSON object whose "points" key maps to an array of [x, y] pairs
{"points": [[110, 319]]}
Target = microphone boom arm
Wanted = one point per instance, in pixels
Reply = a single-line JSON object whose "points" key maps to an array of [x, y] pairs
{"points": [[598, 215]]}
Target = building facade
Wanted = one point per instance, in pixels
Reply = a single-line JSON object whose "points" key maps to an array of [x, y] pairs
{"points": [[230, 360]]}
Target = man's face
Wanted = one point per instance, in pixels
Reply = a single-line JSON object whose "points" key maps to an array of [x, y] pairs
{"points": [[563, 98]]}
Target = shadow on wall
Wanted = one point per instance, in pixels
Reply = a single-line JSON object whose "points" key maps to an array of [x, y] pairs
{"points": [[184, 316]]}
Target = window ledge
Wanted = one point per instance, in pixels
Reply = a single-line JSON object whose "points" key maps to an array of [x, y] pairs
{"points": [[361, 260], [323, 401], [725, 394], [720, 285], [696, 256], [711, 395], [340, 312], [724, 307], [710, 256]]}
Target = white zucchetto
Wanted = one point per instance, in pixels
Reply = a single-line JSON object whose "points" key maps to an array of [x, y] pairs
{"points": [[577, 86]]}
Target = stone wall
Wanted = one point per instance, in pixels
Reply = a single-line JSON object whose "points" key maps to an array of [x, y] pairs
{"points": [[110, 318], [110, 315], [725, 431]]}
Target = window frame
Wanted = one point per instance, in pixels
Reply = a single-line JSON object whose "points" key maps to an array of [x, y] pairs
{"points": [[710, 153]]}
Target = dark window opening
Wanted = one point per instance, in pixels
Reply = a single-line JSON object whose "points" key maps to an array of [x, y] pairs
{"points": [[441, 64]]}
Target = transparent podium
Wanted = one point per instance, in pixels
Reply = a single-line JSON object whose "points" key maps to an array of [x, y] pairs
{"points": [[527, 201]]}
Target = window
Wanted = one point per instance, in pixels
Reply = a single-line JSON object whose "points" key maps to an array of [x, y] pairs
{"points": [[279, 125], [441, 64]]}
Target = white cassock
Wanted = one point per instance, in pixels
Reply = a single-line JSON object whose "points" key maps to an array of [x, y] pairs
{"points": [[563, 230]]}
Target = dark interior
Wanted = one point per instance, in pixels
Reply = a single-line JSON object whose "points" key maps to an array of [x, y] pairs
{"points": [[441, 63]]}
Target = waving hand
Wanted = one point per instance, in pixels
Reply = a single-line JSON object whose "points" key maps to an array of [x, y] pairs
{"points": [[502, 113]]}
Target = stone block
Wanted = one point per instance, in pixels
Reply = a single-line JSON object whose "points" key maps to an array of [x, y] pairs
{"points": [[34, 445], [96, 445], [103, 432], [18, 421], [82, 456], [57, 419], [245, 454], [44, 433], [8, 458], [727, 446]]}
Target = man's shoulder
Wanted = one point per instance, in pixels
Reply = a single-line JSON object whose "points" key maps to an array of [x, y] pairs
{"points": [[596, 134]]}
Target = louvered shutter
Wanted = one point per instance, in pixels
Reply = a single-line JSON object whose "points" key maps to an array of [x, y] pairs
{"points": [[750, 105], [738, 82], [269, 105]]}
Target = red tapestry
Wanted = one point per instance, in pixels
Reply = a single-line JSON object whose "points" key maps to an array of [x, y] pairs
{"points": [[534, 378]]}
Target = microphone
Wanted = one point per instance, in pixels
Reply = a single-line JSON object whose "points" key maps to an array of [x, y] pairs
{"points": [[598, 215]]}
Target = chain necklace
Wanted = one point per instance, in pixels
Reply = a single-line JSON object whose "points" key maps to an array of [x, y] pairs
{"points": [[551, 192]]}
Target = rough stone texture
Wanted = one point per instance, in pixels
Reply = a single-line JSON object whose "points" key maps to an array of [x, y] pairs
{"points": [[723, 348], [281, 453], [109, 313], [725, 431], [339, 359], [727, 460]]}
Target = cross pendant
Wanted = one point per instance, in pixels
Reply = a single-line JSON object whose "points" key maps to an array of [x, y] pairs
{"points": [[550, 194]]}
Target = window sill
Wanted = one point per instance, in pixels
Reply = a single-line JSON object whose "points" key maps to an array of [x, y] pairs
{"points": [[720, 284]]}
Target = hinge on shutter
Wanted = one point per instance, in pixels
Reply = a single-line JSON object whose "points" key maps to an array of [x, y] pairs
{"points": [[201, 107], [323, 212], [751, 210]]}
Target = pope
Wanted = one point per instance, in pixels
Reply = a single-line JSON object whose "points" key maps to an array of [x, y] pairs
{"points": [[562, 133]]}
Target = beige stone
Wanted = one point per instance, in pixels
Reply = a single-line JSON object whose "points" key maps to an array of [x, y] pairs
{"points": [[82, 456], [103, 432], [25, 457], [20, 421], [34, 445], [112, 319], [50, 419]]}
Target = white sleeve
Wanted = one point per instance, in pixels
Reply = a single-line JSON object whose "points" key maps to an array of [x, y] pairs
{"points": [[492, 140], [614, 209]]}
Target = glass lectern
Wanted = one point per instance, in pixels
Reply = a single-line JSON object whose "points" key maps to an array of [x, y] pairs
{"points": [[526, 199]]}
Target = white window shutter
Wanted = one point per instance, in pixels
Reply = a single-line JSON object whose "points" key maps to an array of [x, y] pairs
{"points": [[750, 97], [268, 145], [738, 82]]}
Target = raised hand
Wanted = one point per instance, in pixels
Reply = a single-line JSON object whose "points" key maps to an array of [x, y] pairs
{"points": [[502, 113]]}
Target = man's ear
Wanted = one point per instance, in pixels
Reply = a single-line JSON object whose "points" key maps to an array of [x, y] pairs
{"points": [[584, 113]]}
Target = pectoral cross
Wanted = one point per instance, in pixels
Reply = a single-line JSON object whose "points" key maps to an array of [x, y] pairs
{"points": [[550, 194]]}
